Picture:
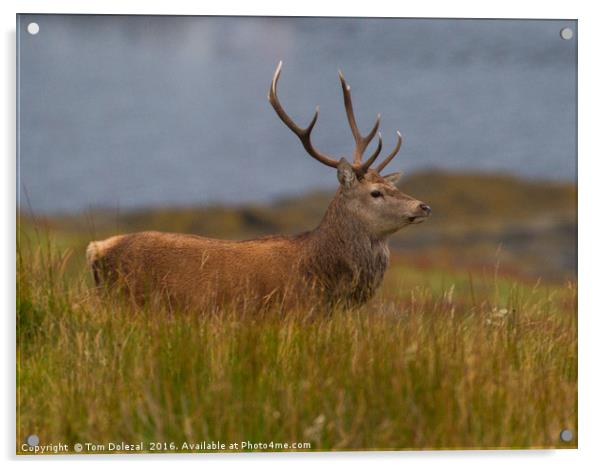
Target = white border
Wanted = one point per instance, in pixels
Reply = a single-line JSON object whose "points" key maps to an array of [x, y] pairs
{"points": [[590, 154]]}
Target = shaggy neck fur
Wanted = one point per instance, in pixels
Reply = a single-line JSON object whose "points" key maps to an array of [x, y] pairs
{"points": [[343, 258]]}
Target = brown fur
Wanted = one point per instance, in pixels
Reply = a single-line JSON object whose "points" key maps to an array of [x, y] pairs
{"points": [[343, 260]]}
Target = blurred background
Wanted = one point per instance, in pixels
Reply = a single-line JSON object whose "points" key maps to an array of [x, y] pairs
{"points": [[150, 122]]}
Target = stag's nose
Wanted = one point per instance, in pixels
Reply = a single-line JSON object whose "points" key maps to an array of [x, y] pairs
{"points": [[426, 209]]}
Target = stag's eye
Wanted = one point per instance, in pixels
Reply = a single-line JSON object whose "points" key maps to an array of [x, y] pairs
{"points": [[376, 194]]}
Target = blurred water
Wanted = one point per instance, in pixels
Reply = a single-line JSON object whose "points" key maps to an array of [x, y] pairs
{"points": [[123, 111]]}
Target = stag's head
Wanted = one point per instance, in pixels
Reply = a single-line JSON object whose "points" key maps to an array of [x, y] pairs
{"points": [[372, 198]]}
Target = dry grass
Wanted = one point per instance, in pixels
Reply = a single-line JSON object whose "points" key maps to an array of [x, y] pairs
{"points": [[437, 360]]}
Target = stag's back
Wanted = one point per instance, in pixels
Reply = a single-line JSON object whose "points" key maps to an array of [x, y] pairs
{"points": [[193, 271]]}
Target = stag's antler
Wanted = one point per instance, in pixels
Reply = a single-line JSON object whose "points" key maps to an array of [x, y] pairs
{"points": [[361, 142], [388, 159], [303, 134]]}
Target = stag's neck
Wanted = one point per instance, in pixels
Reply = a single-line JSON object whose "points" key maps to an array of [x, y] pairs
{"points": [[340, 228], [344, 256]]}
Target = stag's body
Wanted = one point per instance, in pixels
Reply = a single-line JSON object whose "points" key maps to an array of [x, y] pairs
{"points": [[334, 263], [341, 261]]}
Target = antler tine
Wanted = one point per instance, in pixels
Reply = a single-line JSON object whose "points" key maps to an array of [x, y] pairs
{"points": [[388, 159], [366, 164], [361, 143], [303, 134]]}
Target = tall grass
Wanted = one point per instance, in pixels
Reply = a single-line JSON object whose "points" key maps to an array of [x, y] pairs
{"points": [[437, 360]]}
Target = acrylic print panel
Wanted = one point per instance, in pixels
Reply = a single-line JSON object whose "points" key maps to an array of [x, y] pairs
{"points": [[364, 310]]}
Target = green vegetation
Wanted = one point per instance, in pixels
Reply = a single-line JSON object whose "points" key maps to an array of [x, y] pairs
{"points": [[448, 355]]}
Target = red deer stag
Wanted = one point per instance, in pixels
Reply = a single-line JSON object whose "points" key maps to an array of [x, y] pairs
{"points": [[342, 260]]}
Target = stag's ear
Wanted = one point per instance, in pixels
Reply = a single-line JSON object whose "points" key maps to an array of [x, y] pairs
{"points": [[393, 178], [346, 174]]}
